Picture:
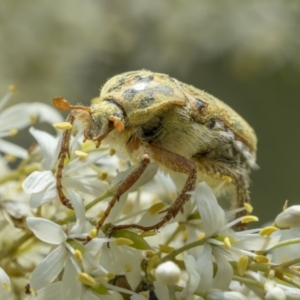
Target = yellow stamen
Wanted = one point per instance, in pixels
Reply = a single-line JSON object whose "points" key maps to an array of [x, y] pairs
{"points": [[32, 119], [13, 132], [261, 259], [248, 207], [112, 152], [227, 242], [149, 253], [13, 88], [128, 268], [62, 125], [248, 219], [155, 208], [123, 241], [166, 249], [93, 233], [267, 231], [6, 286], [88, 280], [10, 158], [81, 154], [201, 236], [110, 275], [103, 176], [242, 264], [78, 255]]}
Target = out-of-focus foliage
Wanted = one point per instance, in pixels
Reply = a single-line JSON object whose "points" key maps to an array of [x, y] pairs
{"points": [[244, 52]]}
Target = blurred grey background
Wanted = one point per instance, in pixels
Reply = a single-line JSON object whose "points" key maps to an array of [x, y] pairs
{"points": [[246, 53]]}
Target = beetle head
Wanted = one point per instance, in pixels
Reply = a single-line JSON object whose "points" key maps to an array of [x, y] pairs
{"points": [[99, 120]]}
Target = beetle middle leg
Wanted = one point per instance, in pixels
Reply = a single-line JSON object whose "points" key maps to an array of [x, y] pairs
{"points": [[176, 163], [125, 185]]}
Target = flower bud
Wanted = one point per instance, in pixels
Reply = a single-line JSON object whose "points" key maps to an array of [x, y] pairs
{"points": [[289, 218]]}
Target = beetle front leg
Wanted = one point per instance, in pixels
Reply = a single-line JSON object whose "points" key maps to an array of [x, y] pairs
{"points": [[63, 154]]}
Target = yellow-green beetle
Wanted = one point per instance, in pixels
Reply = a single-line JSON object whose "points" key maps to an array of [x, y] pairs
{"points": [[154, 117]]}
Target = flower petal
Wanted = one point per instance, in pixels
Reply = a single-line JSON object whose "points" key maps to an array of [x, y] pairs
{"points": [[224, 273], [5, 285], [49, 146], [204, 267], [38, 181], [38, 199], [212, 214], [194, 277], [49, 268], [79, 212], [46, 230], [50, 292], [11, 148], [71, 287]]}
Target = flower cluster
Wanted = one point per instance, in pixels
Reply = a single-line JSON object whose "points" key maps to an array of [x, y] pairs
{"points": [[51, 252]]}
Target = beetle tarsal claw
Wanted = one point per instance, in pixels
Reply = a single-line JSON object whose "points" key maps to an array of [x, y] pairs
{"points": [[118, 124]]}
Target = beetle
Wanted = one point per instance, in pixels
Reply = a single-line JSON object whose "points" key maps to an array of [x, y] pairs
{"points": [[154, 117]]}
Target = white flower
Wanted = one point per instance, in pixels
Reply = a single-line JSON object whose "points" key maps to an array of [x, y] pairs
{"points": [[63, 255], [167, 273], [273, 291], [20, 116], [220, 244], [4, 285], [289, 218], [42, 184]]}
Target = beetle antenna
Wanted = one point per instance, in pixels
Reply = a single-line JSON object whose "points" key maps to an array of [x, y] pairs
{"points": [[62, 104]]}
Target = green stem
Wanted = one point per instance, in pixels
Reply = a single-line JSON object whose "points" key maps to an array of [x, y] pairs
{"points": [[186, 247], [13, 248]]}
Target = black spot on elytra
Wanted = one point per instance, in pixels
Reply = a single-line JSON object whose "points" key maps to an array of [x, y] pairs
{"points": [[118, 86], [129, 94], [139, 78], [200, 104], [165, 90], [146, 101]]}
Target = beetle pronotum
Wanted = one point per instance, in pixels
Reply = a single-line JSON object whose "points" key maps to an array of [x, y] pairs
{"points": [[153, 117]]}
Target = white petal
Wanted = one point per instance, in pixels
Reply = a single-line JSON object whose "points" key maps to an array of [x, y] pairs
{"points": [[218, 295], [38, 199], [86, 185], [71, 287], [211, 213], [161, 291], [256, 242], [78, 206], [89, 295], [38, 181], [46, 230], [44, 112], [15, 150], [204, 267], [273, 291], [194, 277], [289, 218], [50, 292], [224, 273], [5, 285], [49, 268], [148, 174], [49, 146]]}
